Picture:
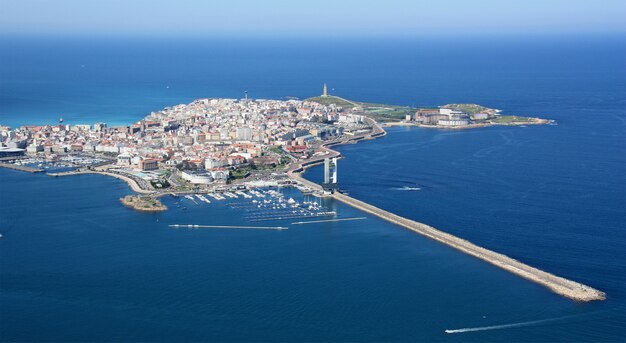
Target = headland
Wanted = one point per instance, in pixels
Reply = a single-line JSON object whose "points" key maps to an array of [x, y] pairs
{"points": [[448, 116]]}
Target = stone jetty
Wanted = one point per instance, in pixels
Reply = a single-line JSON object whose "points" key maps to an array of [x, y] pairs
{"points": [[567, 288]]}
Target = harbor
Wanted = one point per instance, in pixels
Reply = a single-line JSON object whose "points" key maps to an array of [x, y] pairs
{"points": [[261, 205]]}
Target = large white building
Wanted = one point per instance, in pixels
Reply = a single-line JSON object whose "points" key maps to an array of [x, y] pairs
{"points": [[197, 177], [453, 122]]}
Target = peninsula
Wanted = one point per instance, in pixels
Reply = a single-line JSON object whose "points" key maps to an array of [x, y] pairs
{"points": [[223, 146], [449, 116]]}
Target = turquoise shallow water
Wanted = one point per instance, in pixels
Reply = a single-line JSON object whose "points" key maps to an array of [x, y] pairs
{"points": [[77, 265]]}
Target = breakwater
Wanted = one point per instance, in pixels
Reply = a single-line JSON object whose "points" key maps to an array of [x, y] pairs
{"points": [[20, 167], [134, 185], [567, 288]]}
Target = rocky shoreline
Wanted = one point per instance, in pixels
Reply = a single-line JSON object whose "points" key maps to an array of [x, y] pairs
{"points": [[143, 203]]}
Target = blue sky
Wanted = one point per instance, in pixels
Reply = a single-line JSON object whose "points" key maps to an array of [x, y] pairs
{"points": [[318, 18]]}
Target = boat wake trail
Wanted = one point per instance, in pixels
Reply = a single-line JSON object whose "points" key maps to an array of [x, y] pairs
{"points": [[406, 188], [513, 325], [499, 327]]}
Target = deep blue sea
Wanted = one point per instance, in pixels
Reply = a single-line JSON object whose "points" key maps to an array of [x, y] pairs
{"points": [[76, 265]]}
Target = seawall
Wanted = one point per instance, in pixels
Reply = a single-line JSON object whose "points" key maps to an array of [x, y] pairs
{"points": [[20, 168], [132, 183]]}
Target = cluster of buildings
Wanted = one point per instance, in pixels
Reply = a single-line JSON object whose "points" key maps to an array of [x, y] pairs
{"points": [[445, 117], [204, 139]]}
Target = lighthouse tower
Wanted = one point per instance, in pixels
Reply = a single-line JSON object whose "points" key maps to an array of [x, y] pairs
{"points": [[325, 93]]}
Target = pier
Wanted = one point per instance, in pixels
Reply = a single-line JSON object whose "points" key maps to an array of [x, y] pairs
{"points": [[20, 167], [134, 185]]}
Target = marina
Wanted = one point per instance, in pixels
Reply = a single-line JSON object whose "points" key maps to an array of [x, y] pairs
{"points": [[260, 205], [38, 164], [272, 205]]}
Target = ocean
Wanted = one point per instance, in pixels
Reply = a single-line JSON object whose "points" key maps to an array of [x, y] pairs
{"points": [[76, 265]]}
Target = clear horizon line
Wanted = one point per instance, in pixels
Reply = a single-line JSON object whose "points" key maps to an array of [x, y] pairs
{"points": [[267, 35]]}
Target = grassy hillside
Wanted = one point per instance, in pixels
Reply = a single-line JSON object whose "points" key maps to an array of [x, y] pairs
{"points": [[469, 108], [510, 119], [380, 112], [330, 100]]}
